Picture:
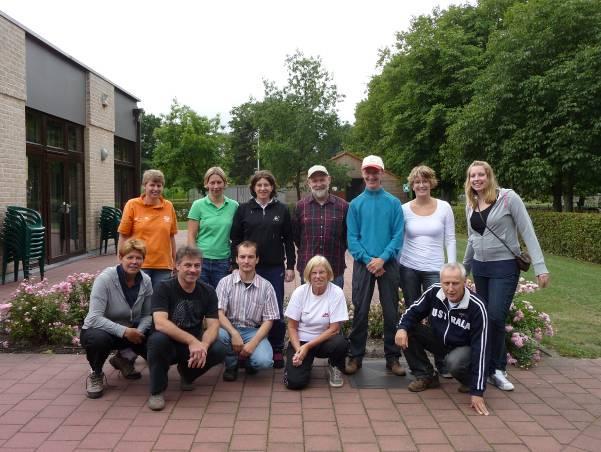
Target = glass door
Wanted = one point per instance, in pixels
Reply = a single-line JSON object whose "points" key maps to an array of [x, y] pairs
{"points": [[59, 210]]}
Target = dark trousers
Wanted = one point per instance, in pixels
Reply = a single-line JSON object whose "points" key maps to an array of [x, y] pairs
{"points": [[99, 344], [457, 360], [414, 283], [496, 283], [363, 290], [164, 351], [298, 377], [214, 270], [275, 275]]}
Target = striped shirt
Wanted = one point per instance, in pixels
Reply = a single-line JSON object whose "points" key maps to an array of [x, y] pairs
{"points": [[247, 306]]}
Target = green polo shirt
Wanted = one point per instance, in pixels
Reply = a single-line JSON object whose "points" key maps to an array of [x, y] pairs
{"points": [[213, 237]]}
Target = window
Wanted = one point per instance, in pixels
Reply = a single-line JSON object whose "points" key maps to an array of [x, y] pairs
{"points": [[75, 139], [55, 135], [124, 150], [33, 123]]}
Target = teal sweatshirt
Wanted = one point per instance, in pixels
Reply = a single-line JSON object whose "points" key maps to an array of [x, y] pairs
{"points": [[375, 226]]}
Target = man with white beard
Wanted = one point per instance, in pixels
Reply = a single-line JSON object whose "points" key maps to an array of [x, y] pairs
{"points": [[319, 224]]}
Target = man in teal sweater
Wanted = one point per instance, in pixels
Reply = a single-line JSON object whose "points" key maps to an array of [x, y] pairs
{"points": [[375, 235]]}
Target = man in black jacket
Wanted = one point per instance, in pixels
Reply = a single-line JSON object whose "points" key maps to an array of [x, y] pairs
{"points": [[458, 330]]}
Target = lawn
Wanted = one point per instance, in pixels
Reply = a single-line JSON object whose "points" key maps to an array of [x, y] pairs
{"points": [[573, 302]]}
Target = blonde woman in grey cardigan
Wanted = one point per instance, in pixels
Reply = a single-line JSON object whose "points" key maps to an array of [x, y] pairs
{"points": [[493, 265], [119, 317]]}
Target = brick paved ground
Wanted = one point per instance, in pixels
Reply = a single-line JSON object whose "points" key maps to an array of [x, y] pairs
{"points": [[556, 406]]}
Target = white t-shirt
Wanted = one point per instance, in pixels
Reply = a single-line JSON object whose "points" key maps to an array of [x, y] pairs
{"points": [[426, 238], [314, 313]]}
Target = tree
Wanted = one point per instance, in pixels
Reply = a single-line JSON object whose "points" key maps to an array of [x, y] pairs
{"points": [[187, 145], [536, 110], [413, 101], [150, 122], [243, 140], [299, 125]]}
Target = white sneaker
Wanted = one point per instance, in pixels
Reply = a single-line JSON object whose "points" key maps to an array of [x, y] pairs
{"points": [[499, 379], [335, 375]]}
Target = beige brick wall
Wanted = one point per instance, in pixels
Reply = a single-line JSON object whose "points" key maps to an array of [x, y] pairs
{"points": [[13, 161], [99, 175]]}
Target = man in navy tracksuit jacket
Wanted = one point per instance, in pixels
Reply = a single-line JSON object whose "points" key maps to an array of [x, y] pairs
{"points": [[458, 330]]}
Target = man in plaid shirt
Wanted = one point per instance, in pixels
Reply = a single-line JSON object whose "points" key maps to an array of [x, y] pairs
{"points": [[319, 225]]}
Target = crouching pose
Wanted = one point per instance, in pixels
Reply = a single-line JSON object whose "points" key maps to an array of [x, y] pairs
{"points": [[119, 317], [247, 308], [459, 330], [179, 307], [315, 313]]}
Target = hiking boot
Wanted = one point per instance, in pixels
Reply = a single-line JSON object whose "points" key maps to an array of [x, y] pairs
{"points": [[95, 385], [463, 389], [278, 360], [352, 366], [250, 370], [185, 384], [156, 402], [395, 367], [125, 366], [423, 383], [499, 379], [335, 377], [230, 374]]}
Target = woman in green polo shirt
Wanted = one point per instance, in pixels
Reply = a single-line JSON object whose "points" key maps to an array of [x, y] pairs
{"points": [[209, 223]]}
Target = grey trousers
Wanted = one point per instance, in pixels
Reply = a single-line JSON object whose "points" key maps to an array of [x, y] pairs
{"points": [[363, 290]]}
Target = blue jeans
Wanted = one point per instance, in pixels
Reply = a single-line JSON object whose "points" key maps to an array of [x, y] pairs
{"points": [[157, 275], [275, 275], [415, 282], [213, 270], [363, 290], [496, 282], [338, 280], [261, 358]]}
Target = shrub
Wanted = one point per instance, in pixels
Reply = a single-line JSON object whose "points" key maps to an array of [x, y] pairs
{"points": [[575, 235], [181, 209], [39, 314]]}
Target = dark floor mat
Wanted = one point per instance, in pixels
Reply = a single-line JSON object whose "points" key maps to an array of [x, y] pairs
{"points": [[374, 375]]}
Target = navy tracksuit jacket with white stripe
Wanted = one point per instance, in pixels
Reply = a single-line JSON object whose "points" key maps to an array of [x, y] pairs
{"points": [[464, 324]]}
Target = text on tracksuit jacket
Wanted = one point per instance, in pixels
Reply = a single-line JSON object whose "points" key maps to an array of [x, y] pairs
{"points": [[464, 324], [269, 228]]}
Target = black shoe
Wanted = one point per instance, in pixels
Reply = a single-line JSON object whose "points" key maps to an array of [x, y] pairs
{"points": [[278, 360], [250, 370], [230, 374], [185, 384], [395, 367]]}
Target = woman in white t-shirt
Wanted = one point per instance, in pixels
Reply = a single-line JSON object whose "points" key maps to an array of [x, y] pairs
{"points": [[315, 313], [429, 231]]}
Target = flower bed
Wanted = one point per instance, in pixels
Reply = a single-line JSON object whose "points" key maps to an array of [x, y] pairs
{"points": [[40, 314]]}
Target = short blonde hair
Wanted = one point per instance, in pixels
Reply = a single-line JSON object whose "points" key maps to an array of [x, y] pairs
{"points": [[132, 245], [425, 172], [153, 175], [490, 194], [317, 261], [215, 171]]}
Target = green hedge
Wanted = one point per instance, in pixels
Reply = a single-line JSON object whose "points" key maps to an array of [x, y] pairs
{"points": [[576, 235]]}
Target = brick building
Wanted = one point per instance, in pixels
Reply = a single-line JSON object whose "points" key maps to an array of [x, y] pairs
{"points": [[69, 139]]}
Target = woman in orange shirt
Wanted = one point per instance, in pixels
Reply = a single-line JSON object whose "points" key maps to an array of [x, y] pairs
{"points": [[151, 218]]}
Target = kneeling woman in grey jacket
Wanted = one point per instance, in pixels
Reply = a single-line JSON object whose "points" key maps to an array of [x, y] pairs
{"points": [[119, 317]]}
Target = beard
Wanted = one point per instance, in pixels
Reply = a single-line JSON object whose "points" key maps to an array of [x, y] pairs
{"points": [[320, 194]]}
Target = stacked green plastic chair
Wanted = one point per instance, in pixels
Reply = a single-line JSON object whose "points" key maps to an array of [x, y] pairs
{"points": [[110, 217], [24, 240]]}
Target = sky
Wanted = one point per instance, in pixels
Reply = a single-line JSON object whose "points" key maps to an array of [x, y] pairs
{"points": [[213, 56]]}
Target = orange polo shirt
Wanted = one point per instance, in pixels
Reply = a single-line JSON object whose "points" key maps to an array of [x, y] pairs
{"points": [[155, 225]]}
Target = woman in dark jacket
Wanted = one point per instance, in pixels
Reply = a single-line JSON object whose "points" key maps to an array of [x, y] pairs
{"points": [[266, 221]]}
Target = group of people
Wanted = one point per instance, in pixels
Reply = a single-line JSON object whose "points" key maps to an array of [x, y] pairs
{"points": [[220, 298]]}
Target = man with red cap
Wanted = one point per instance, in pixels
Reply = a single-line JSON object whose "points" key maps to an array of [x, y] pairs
{"points": [[375, 237]]}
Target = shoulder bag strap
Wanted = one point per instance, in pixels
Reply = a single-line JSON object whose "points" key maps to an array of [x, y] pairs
{"points": [[493, 232]]}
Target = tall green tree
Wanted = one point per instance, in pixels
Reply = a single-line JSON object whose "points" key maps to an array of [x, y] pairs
{"points": [[187, 145], [413, 101], [150, 122], [536, 110], [298, 123], [243, 141]]}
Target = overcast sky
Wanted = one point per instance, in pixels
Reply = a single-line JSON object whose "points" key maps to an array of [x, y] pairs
{"points": [[214, 55]]}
